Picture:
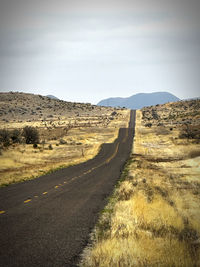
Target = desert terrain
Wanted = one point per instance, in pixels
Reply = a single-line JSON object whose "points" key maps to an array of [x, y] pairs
{"points": [[47, 221], [68, 133], [153, 216]]}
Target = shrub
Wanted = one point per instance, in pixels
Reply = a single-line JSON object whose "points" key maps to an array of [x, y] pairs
{"points": [[154, 114], [35, 145], [63, 142], [114, 113], [50, 147], [187, 132], [16, 136], [31, 135], [148, 125], [126, 190], [4, 137]]}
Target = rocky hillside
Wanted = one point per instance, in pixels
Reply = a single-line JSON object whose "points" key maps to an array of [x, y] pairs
{"points": [[21, 106], [181, 113]]}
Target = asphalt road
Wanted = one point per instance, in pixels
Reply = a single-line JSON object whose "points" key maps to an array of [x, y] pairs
{"points": [[47, 221]]}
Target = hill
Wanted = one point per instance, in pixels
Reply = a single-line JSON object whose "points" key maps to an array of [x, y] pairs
{"points": [[52, 97], [139, 100], [28, 107]]}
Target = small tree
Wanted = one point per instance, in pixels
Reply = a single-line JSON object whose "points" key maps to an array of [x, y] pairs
{"points": [[31, 135], [187, 132], [4, 137], [16, 136]]}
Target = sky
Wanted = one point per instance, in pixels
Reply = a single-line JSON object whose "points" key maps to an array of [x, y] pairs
{"points": [[89, 50]]}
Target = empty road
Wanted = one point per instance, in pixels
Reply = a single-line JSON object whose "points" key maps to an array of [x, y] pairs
{"points": [[47, 221]]}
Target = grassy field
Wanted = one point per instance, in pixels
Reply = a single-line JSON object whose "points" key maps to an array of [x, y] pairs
{"points": [[153, 217], [69, 133]]}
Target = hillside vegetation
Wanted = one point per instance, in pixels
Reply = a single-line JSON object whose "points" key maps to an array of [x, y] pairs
{"points": [[39, 134], [153, 217]]}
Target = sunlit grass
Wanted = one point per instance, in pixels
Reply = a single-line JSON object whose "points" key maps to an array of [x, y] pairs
{"points": [[23, 162], [153, 218]]}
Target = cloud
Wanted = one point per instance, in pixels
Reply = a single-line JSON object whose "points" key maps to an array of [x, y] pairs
{"points": [[99, 44]]}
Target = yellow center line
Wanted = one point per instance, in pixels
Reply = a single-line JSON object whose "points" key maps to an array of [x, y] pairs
{"points": [[26, 201], [125, 137], [94, 168], [114, 154], [76, 177]]}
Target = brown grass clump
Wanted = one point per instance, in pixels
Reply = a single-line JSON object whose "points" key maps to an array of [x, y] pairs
{"points": [[144, 251], [125, 190]]}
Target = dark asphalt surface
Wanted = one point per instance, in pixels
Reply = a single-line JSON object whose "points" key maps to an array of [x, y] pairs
{"points": [[47, 221]]}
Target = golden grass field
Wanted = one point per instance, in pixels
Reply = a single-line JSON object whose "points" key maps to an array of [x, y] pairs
{"points": [[153, 216], [73, 138], [21, 162]]}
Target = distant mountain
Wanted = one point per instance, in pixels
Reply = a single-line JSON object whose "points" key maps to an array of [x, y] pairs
{"points": [[52, 96], [139, 101]]}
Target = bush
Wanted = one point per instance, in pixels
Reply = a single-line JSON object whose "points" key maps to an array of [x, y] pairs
{"points": [[63, 142], [148, 125], [31, 135], [126, 190], [50, 147], [114, 113], [16, 136], [154, 114], [35, 145], [4, 137], [187, 132]]}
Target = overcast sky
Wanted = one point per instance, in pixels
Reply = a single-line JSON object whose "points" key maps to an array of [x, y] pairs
{"points": [[88, 50]]}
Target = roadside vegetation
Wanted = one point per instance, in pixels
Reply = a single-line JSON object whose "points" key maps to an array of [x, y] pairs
{"points": [[153, 216], [39, 134], [28, 135]]}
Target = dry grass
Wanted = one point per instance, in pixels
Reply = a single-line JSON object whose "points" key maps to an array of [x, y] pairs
{"points": [[144, 251], [74, 131], [153, 218], [22, 162]]}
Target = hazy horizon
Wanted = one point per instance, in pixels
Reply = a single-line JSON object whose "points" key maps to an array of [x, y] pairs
{"points": [[86, 51]]}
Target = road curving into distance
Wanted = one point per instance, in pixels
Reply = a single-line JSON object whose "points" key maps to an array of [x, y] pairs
{"points": [[46, 221]]}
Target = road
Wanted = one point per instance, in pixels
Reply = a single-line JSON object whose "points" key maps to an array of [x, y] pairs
{"points": [[47, 221]]}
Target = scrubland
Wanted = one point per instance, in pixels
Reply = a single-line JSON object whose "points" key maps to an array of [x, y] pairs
{"points": [[153, 216], [69, 133]]}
